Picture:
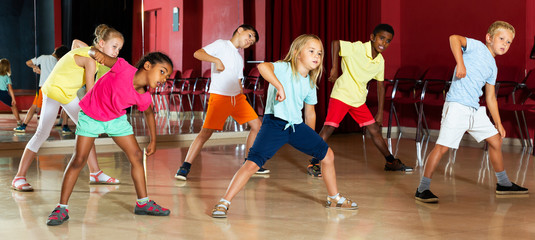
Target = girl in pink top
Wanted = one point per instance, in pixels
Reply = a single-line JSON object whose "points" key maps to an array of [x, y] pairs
{"points": [[103, 112]]}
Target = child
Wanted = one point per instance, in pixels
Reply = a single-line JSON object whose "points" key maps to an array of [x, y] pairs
{"points": [[360, 63], [226, 95], [6, 91], [476, 68], [293, 79], [71, 72], [41, 65], [103, 111]]}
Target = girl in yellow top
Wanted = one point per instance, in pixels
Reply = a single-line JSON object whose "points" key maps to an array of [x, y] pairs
{"points": [[72, 71]]}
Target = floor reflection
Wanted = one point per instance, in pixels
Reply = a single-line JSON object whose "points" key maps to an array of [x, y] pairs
{"points": [[286, 204]]}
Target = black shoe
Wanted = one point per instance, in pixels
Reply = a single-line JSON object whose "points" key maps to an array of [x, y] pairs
{"points": [[182, 173], [397, 165], [426, 196], [262, 171], [314, 170], [514, 189]]}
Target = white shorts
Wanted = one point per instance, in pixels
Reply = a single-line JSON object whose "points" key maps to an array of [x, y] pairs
{"points": [[458, 119]]}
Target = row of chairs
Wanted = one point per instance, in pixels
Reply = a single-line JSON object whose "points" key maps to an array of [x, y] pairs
{"points": [[428, 91], [170, 96]]}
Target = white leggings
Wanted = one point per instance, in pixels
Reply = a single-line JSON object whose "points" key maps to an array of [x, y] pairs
{"points": [[49, 112]]}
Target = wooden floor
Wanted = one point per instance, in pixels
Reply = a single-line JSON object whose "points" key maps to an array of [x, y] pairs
{"points": [[286, 204]]}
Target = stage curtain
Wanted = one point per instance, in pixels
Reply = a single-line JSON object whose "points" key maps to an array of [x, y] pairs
{"points": [[328, 19]]}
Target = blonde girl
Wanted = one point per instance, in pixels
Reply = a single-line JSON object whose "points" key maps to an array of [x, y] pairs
{"points": [[292, 88], [72, 71]]}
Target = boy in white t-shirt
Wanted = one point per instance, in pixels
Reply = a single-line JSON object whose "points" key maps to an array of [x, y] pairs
{"points": [[226, 93], [41, 65]]}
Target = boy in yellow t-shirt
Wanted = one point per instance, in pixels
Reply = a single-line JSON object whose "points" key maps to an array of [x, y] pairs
{"points": [[360, 63]]}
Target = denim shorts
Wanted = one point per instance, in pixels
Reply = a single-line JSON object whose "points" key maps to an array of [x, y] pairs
{"points": [[89, 127], [272, 136]]}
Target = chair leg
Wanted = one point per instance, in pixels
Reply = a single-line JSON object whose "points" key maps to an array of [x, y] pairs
{"points": [[520, 130]]}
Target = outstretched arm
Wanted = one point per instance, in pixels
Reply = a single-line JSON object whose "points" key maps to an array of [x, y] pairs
{"points": [[456, 44], [202, 55], [267, 70], [335, 52], [380, 102], [492, 105], [151, 123]]}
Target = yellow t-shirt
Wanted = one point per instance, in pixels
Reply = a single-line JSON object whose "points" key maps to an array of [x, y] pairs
{"points": [[358, 68], [66, 77]]}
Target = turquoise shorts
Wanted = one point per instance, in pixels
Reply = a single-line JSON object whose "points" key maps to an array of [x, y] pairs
{"points": [[89, 127]]}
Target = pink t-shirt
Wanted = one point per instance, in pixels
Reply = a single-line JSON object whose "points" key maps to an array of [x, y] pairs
{"points": [[113, 93]]}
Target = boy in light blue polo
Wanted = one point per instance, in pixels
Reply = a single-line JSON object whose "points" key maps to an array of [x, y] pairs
{"points": [[461, 113]]}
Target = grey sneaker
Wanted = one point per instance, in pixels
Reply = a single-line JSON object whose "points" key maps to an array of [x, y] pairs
{"points": [[151, 208], [58, 216]]}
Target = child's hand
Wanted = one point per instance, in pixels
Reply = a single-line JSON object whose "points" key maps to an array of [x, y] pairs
{"points": [[461, 71], [280, 95], [501, 130], [379, 119], [219, 66], [37, 70], [333, 75], [151, 148], [13, 102]]}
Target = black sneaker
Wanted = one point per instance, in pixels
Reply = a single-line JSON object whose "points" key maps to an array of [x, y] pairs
{"points": [[314, 170], [262, 171], [397, 165], [515, 189], [426, 196], [182, 173]]}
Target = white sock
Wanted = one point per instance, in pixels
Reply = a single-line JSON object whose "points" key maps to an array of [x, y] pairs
{"points": [[66, 206]]}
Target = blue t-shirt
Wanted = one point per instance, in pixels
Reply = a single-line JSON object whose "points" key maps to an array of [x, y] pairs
{"points": [[4, 81], [297, 91], [480, 69]]}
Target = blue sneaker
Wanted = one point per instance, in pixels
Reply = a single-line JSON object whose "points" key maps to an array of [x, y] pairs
{"points": [[182, 173], [20, 129], [66, 130]]}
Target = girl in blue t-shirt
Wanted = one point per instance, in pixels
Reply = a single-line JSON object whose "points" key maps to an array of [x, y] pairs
{"points": [[292, 87], [6, 91]]}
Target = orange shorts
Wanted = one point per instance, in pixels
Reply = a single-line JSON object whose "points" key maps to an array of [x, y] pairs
{"points": [[220, 107], [38, 100]]}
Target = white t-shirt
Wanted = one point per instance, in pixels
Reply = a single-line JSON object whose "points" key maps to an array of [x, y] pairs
{"points": [[227, 82], [47, 63]]}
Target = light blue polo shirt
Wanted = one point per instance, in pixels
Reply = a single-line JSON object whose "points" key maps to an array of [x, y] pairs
{"points": [[480, 69], [4, 81], [298, 91]]}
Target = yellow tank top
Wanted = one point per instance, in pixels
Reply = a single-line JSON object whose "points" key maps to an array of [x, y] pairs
{"points": [[66, 77]]}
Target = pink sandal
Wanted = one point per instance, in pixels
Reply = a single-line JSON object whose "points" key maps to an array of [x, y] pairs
{"points": [[93, 179], [25, 187]]}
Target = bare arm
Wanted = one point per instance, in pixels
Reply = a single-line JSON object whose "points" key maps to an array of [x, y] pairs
{"points": [[34, 67], [151, 123], [90, 69], [335, 52], [12, 94], [310, 116], [492, 105], [380, 102], [204, 56], [102, 58], [456, 44], [78, 44], [267, 69]]}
